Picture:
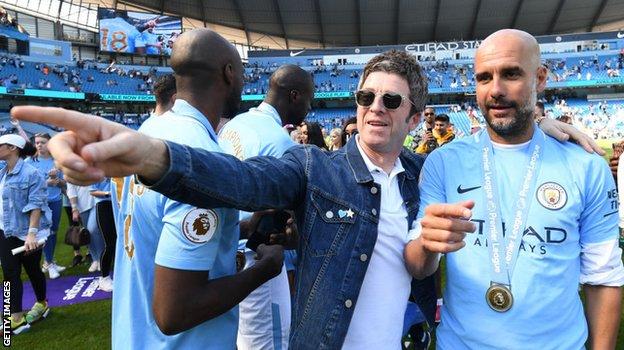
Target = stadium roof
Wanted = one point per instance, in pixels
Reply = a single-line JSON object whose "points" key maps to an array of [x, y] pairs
{"points": [[326, 23]]}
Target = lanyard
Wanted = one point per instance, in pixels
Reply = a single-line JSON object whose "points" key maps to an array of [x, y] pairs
{"points": [[504, 249]]}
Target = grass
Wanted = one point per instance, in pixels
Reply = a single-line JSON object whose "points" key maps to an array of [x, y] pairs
{"points": [[88, 325]]}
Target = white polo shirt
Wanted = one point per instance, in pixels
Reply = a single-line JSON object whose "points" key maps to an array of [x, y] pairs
{"points": [[377, 321]]}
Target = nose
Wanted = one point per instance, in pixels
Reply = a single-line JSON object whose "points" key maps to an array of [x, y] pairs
{"points": [[377, 106], [497, 88]]}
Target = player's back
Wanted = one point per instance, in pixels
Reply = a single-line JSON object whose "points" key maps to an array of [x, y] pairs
{"points": [[146, 215]]}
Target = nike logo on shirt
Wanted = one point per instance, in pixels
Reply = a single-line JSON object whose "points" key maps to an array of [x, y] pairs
{"points": [[464, 190]]}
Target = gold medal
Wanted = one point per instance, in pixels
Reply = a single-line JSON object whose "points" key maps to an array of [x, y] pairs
{"points": [[499, 298]]}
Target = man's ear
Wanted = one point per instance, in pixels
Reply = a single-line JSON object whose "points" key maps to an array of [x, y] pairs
{"points": [[293, 96], [228, 74], [413, 120], [542, 77]]}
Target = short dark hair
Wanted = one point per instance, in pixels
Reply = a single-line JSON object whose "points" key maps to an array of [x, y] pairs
{"points": [[442, 118], [406, 66], [164, 88]]}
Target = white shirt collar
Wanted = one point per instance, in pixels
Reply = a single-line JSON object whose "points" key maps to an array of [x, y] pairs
{"points": [[397, 169]]}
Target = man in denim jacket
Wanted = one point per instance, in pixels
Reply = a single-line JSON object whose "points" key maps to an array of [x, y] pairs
{"points": [[354, 206]]}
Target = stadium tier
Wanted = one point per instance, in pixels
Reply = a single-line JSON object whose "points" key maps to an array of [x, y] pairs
{"points": [[445, 76]]}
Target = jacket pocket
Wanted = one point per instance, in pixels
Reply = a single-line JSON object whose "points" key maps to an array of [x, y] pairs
{"points": [[329, 221]]}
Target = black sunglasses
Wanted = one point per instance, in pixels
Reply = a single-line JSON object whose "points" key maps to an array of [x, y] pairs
{"points": [[391, 100]]}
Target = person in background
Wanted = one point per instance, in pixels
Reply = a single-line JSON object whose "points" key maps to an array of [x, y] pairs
{"points": [[440, 135], [311, 134], [44, 162], [83, 210], [24, 220], [106, 225], [335, 139], [349, 128], [424, 133], [165, 93], [265, 314]]}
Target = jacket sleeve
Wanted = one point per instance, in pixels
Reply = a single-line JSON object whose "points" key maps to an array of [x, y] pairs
{"points": [[213, 180], [37, 194]]}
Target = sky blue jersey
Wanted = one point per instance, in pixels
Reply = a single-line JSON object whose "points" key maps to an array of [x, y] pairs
{"points": [[573, 206], [153, 229]]}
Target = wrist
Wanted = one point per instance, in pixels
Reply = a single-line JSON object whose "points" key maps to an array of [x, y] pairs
{"points": [[265, 269], [33, 230]]}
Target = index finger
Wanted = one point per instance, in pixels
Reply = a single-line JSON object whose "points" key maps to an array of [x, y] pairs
{"points": [[457, 210], [64, 118]]}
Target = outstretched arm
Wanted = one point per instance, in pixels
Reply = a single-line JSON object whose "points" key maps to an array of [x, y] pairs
{"points": [[94, 147]]}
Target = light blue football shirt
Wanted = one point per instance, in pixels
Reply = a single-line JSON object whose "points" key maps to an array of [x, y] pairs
{"points": [[150, 39], [572, 206], [117, 35], [265, 314], [44, 165], [154, 229], [257, 132]]}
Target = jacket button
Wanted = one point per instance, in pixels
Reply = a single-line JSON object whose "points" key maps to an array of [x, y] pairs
{"points": [[329, 215], [348, 303], [374, 211], [374, 190], [363, 257]]}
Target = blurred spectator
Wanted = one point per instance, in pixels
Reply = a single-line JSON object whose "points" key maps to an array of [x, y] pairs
{"points": [[82, 204], [335, 139], [55, 182], [23, 223], [349, 128], [440, 135], [311, 134], [165, 93]]}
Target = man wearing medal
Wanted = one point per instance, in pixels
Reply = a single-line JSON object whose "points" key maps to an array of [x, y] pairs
{"points": [[531, 220]]}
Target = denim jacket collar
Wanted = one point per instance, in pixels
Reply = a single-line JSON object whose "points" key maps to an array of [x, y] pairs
{"points": [[16, 169], [359, 168]]}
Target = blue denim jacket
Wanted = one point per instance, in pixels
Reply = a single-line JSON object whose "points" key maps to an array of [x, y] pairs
{"points": [[24, 190], [313, 183]]}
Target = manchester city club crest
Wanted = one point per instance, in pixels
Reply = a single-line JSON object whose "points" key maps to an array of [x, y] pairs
{"points": [[552, 196], [199, 225]]}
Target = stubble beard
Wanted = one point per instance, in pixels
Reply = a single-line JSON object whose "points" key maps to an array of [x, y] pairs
{"points": [[514, 127]]}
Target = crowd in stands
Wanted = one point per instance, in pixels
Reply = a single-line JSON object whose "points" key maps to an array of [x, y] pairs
{"points": [[6, 20], [84, 76], [441, 74]]}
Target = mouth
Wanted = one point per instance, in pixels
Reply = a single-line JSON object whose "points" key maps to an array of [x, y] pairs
{"points": [[376, 123]]}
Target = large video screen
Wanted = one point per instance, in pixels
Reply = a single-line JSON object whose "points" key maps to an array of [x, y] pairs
{"points": [[137, 32]]}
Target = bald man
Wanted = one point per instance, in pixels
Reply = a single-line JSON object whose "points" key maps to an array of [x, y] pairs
{"points": [[176, 285], [265, 314], [532, 219]]}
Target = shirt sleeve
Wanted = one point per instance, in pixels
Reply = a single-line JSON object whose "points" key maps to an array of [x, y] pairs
{"points": [[190, 237], [71, 190], [431, 182], [601, 262]]}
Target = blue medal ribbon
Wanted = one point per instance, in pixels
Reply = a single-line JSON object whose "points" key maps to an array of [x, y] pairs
{"points": [[504, 250]]}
